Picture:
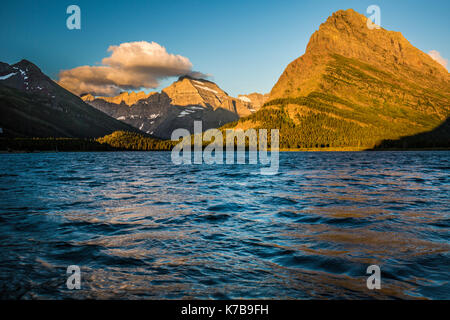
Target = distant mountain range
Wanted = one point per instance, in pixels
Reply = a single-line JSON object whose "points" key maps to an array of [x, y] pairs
{"points": [[355, 87], [178, 106], [33, 105]]}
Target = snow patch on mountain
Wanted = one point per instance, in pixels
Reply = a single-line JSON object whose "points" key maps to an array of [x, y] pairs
{"points": [[183, 113], [7, 76], [246, 99], [206, 88]]}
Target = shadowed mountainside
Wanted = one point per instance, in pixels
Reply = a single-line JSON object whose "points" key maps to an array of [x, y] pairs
{"points": [[436, 138], [32, 105]]}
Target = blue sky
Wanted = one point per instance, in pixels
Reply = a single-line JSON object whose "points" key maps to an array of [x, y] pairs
{"points": [[245, 45]]}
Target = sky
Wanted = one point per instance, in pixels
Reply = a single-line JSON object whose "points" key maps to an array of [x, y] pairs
{"points": [[243, 46]]}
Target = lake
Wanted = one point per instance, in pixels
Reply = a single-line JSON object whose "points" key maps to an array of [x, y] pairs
{"points": [[140, 227]]}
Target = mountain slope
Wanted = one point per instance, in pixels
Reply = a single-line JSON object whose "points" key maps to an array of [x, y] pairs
{"points": [[177, 106], [32, 105], [355, 87]]}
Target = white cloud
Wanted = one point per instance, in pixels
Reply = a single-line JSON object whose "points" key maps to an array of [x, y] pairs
{"points": [[437, 57], [131, 66]]}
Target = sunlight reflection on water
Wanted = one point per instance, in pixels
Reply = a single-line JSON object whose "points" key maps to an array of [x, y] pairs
{"points": [[141, 227]]}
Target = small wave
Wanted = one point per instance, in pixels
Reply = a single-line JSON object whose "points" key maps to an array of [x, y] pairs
{"points": [[277, 200], [226, 207], [3, 175], [217, 217], [72, 178]]}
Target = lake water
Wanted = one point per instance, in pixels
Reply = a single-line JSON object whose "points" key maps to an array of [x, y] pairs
{"points": [[140, 227]]}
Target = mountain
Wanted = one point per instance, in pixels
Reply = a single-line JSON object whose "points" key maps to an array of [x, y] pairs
{"points": [[355, 87], [177, 106], [256, 100], [32, 105]]}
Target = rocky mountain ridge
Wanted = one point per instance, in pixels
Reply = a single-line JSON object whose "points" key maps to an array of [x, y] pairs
{"points": [[177, 106], [125, 97]]}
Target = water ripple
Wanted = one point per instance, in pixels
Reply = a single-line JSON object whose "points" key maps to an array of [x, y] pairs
{"points": [[141, 227]]}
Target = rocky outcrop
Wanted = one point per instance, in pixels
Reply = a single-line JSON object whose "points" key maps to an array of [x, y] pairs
{"points": [[125, 97]]}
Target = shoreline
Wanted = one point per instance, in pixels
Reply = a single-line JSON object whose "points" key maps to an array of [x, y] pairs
{"points": [[344, 149]]}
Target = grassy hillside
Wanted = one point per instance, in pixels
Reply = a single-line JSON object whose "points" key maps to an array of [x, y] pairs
{"points": [[355, 105]]}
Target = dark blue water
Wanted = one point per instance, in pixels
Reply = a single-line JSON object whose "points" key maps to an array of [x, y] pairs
{"points": [[140, 227]]}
